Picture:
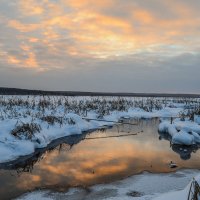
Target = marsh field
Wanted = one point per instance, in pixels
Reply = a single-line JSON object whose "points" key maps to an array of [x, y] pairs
{"points": [[58, 143]]}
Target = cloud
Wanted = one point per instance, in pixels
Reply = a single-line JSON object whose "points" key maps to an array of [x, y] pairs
{"points": [[71, 35], [22, 27]]}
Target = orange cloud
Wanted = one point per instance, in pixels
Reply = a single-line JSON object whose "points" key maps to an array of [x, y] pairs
{"points": [[31, 7], [104, 30], [13, 60], [29, 63], [80, 4], [33, 40], [22, 27], [143, 16]]}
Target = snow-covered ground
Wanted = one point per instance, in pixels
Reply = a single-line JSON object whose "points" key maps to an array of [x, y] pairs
{"points": [[146, 186], [182, 132], [18, 112], [28, 123]]}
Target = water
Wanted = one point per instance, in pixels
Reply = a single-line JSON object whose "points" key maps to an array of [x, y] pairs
{"points": [[79, 161]]}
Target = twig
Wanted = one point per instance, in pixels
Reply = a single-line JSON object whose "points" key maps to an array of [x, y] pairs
{"points": [[112, 136], [103, 120]]}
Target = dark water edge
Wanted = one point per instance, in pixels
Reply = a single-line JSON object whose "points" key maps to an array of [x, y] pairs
{"points": [[79, 161]]}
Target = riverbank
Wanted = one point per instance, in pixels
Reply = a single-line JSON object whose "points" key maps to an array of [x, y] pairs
{"points": [[28, 123]]}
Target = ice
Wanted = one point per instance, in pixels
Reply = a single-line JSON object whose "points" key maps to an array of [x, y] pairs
{"points": [[145, 186]]}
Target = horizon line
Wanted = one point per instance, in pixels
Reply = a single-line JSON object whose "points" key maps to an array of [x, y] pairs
{"points": [[22, 91]]}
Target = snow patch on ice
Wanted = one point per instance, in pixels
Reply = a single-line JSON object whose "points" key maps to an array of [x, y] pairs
{"points": [[145, 186]]}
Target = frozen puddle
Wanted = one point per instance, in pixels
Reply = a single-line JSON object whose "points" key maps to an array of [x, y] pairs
{"points": [[145, 186]]}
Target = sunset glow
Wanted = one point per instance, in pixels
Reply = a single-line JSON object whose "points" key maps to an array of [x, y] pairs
{"points": [[65, 35]]}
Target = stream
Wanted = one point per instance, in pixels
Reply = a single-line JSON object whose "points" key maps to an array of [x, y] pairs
{"points": [[101, 156]]}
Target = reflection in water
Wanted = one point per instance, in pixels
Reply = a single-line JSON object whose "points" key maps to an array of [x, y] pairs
{"points": [[26, 163], [183, 150], [79, 161]]}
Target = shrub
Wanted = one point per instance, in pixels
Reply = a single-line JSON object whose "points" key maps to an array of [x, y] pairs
{"points": [[26, 130]]}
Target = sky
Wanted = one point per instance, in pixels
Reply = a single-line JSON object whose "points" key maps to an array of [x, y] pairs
{"points": [[105, 46]]}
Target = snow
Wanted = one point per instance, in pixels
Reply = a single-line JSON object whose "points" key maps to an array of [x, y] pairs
{"points": [[179, 195], [145, 186], [181, 132], [196, 136], [184, 138], [12, 147], [197, 119]]}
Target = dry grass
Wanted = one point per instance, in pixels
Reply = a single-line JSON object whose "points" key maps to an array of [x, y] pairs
{"points": [[26, 130]]}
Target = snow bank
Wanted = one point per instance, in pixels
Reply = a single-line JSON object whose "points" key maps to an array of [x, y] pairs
{"points": [[33, 108], [12, 147], [181, 132], [183, 137], [145, 186], [197, 119]]}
